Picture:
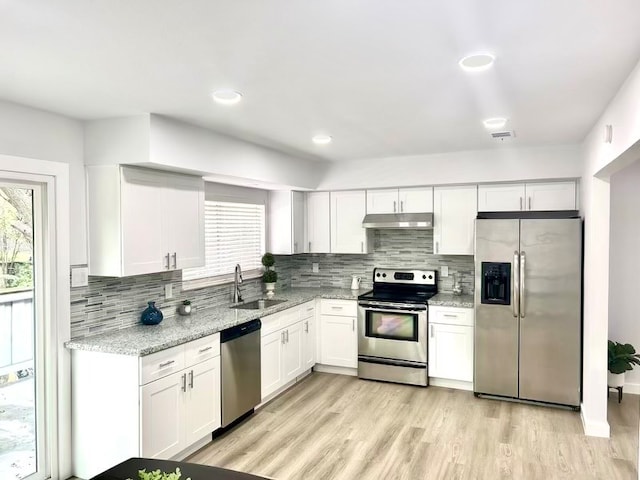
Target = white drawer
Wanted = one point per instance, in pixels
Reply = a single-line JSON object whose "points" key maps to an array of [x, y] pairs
{"points": [[202, 349], [308, 309], [161, 364], [277, 321], [451, 316], [344, 308]]}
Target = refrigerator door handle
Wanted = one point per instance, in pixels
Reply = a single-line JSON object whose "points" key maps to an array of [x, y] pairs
{"points": [[522, 287], [515, 274]]}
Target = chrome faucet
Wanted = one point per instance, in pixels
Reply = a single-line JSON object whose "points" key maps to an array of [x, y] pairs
{"points": [[237, 281]]}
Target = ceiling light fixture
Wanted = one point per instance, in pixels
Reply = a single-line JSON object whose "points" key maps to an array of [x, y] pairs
{"points": [[497, 122], [226, 96], [477, 62], [321, 139]]}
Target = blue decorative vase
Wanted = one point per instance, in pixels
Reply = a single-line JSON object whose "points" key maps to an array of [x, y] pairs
{"points": [[151, 315]]}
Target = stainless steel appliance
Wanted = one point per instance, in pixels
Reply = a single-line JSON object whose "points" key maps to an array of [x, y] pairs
{"points": [[240, 369], [392, 326], [528, 279]]}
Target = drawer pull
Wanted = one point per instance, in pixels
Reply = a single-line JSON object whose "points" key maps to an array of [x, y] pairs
{"points": [[450, 315], [336, 308], [166, 364], [202, 350]]}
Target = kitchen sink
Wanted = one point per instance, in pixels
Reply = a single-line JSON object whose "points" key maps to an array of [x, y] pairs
{"points": [[258, 304]]}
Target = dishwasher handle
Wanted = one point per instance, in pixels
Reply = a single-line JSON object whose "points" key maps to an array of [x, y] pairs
{"points": [[240, 330]]}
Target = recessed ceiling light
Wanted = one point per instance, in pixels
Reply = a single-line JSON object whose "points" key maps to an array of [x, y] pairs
{"points": [[226, 96], [321, 139], [497, 122], [477, 62]]}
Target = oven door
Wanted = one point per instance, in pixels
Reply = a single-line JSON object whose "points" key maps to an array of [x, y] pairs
{"points": [[393, 332]]}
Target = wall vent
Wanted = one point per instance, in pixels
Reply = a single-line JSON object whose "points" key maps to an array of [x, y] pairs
{"points": [[502, 136]]}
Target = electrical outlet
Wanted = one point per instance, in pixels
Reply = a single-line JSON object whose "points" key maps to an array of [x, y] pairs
{"points": [[168, 291], [79, 276], [444, 271], [315, 267]]}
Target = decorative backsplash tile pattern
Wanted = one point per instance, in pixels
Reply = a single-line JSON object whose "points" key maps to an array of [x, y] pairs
{"points": [[115, 303], [394, 248]]}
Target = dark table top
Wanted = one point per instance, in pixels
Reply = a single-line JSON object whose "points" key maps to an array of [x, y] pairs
{"points": [[129, 469]]}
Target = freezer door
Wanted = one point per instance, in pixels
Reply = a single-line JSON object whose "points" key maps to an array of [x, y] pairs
{"points": [[550, 324], [496, 329]]}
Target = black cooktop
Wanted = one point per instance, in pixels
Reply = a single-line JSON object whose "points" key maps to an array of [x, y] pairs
{"points": [[397, 296]]}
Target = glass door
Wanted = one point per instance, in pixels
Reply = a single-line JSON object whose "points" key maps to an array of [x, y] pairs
{"points": [[22, 347]]}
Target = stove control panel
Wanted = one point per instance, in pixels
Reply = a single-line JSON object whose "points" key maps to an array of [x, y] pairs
{"points": [[406, 277]]}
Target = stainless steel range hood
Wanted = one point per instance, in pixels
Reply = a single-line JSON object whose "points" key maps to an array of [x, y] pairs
{"points": [[398, 220]]}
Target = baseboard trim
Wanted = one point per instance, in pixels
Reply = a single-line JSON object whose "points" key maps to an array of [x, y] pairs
{"points": [[446, 383], [633, 388], [594, 428]]}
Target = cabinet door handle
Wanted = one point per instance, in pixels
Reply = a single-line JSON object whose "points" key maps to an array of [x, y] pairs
{"points": [[295, 247], [361, 247], [175, 260], [529, 203], [166, 364], [520, 203], [401, 206], [306, 327], [191, 379], [309, 247], [167, 259], [184, 382], [202, 350], [353, 324], [287, 335], [431, 331], [282, 337], [436, 247], [394, 206]]}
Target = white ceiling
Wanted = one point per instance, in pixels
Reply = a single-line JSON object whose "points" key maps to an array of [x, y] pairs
{"points": [[380, 76]]}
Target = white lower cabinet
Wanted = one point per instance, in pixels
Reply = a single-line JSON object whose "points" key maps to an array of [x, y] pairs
{"points": [[451, 343], [283, 349], [308, 315], [157, 406], [338, 333]]}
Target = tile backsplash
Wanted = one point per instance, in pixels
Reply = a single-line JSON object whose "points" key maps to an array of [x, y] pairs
{"points": [[115, 303], [393, 248]]}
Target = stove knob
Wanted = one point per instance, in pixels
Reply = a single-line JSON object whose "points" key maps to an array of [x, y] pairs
{"points": [[430, 277], [378, 275], [384, 275], [424, 277]]}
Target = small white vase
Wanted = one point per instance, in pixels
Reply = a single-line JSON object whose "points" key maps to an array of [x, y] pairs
{"points": [[615, 379], [270, 287]]}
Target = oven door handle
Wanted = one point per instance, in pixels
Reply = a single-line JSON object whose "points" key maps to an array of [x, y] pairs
{"points": [[387, 307]]}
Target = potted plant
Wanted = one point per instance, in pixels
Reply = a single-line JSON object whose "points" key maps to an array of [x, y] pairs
{"points": [[269, 277], [185, 307], [622, 357]]}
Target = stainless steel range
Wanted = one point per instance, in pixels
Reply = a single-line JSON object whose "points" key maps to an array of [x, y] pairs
{"points": [[392, 326]]}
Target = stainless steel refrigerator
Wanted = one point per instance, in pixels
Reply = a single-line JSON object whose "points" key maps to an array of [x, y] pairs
{"points": [[528, 278]]}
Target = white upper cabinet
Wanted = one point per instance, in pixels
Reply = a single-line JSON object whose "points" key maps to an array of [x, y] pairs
{"points": [[507, 197], [454, 213], [286, 222], [347, 211], [403, 200], [143, 221], [551, 196], [318, 223]]}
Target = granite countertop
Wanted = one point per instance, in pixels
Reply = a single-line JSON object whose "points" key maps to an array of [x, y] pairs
{"points": [[143, 340], [451, 300]]}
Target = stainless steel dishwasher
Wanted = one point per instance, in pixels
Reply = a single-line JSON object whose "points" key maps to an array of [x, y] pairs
{"points": [[241, 377]]}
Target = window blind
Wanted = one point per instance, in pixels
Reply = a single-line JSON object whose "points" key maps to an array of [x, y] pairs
{"points": [[234, 233]]}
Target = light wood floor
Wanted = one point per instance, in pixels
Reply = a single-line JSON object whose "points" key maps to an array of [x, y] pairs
{"points": [[338, 427]]}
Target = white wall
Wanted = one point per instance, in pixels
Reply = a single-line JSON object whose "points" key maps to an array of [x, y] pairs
{"points": [[37, 134], [601, 160], [624, 263], [179, 145], [502, 164]]}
